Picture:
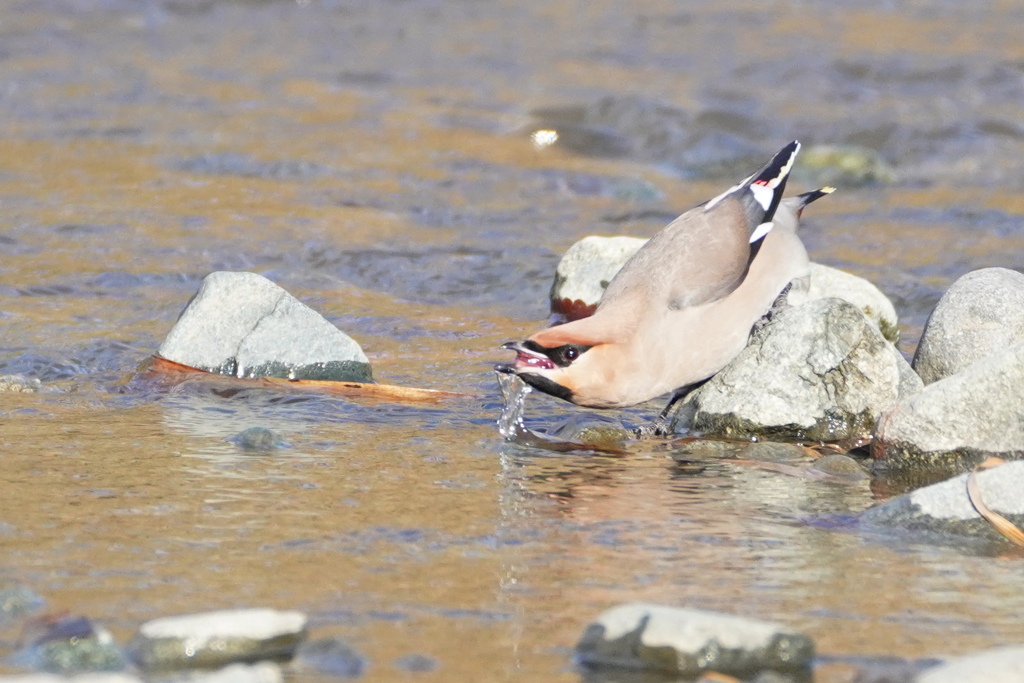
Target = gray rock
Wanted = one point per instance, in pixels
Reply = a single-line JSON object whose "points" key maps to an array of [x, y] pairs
{"points": [[998, 665], [584, 272], [689, 642], [214, 639], [958, 421], [820, 371], [945, 507], [826, 282], [242, 324], [982, 313]]}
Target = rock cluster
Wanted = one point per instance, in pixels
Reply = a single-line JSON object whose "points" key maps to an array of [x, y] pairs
{"points": [[971, 357], [228, 646]]}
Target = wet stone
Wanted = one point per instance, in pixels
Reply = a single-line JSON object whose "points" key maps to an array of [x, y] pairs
{"points": [[213, 639], [981, 314], [242, 324], [842, 466], [600, 431], [689, 642], [957, 422], [330, 656], [820, 372], [945, 508], [998, 665]]}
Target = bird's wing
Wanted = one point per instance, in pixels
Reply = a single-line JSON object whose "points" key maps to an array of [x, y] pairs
{"points": [[705, 254]]}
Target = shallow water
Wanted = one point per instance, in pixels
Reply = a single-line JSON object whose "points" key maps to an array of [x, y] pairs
{"points": [[375, 159]]}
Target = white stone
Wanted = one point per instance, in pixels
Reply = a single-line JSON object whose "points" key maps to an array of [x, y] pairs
{"points": [[687, 630], [200, 629]]}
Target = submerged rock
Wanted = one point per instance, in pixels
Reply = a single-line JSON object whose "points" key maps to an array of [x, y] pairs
{"points": [[998, 665], [843, 166], [981, 314], [600, 431], [957, 422], [820, 371], [826, 282], [945, 508], [688, 642], [584, 272], [257, 439], [213, 639], [243, 325]]}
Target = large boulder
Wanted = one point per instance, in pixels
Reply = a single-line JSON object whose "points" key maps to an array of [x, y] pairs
{"points": [[945, 508], [690, 642], [243, 325], [819, 371], [958, 421], [982, 313]]}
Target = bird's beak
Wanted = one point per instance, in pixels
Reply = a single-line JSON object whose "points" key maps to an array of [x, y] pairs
{"points": [[525, 358]]}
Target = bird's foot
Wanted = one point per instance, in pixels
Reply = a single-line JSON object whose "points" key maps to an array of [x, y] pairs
{"points": [[658, 427], [781, 302]]}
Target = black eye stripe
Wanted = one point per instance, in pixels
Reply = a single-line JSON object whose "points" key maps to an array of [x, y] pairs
{"points": [[562, 356]]}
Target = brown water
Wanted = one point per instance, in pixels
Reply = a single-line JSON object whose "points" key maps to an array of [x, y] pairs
{"points": [[374, 158]]}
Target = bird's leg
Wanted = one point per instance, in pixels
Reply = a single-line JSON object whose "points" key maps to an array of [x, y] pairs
{"points": [[781, 302], [659, 426]]}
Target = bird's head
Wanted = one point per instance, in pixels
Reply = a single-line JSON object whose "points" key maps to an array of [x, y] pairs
{"points": [[547, 369]]}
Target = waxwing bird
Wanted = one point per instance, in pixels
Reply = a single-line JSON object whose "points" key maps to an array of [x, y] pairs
{"points": [[683, 306]]}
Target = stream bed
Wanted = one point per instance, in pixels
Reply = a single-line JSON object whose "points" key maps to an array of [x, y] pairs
{"points": [[392, 164]]}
